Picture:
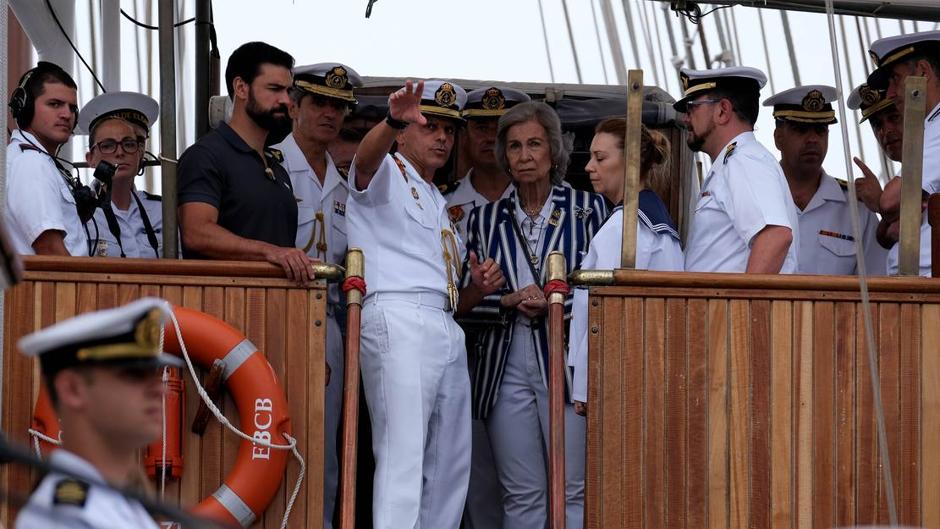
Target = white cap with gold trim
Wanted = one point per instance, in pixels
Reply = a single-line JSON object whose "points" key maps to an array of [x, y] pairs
{"points": [[736, 79], [805, 104]]}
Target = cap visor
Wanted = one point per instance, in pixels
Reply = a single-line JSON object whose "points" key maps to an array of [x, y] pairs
{"points": [[878, 79], [680, 105]]}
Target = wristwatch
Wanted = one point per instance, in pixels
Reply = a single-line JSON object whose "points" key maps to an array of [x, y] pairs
{"points": [[395, 123]]}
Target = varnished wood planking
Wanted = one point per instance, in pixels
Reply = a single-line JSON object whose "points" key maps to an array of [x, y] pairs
{"points": [[676, 414], [867, 471], [908, 454], [803, 413], [781, 415], [655, 457], [739, 380], [719, 453], [888, 367], [930, 426], [697, 447], [823, 412], [625, 335], [845, 413], [316, 404], [759, 468], [49, 301], [592, 491]]}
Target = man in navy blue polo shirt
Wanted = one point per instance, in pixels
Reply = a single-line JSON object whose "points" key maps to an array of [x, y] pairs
{"points": [[235, 199]]}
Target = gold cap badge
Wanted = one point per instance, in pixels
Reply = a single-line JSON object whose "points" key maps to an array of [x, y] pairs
{"points": [[493, 99], [814, 101], [337, 78], [445, 95]]}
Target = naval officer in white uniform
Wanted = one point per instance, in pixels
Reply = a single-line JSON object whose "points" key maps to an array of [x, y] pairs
{"points": [[897, 58], [827, 244], [414, 363], [321, 97], [103, 374], [745, 220], [131, 224]]}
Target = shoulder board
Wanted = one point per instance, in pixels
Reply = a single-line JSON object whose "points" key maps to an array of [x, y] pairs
{"points": [[70, 491], [28, 147], [343, 172], [151, 196], [654, 214], [730, 150], [842, 183], [449, 187], [276, 154]]}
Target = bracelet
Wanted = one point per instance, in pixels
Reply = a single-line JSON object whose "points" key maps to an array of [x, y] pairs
{"points": [[395, 123]]}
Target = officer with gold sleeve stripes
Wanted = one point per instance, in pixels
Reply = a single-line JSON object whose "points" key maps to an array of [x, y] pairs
{"points": [[103, 372], [827, 245]]}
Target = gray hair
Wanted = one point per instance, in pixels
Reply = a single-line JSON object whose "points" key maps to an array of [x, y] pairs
{"points": [[560, 145]]}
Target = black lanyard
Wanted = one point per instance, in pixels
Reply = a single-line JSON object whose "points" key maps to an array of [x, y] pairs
{"points": [[148, 227], [530, 259]]}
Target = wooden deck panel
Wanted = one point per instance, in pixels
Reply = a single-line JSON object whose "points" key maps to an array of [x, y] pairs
{"points": [[776, 384]]}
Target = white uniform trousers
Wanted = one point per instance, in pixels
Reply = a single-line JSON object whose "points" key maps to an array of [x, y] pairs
{"points": [[331, 417], [519, 432], [414, 370], [485, 495]]}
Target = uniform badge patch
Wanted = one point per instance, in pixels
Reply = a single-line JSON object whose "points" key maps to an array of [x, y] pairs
{"points": [[814, 101], [868, 95], [445, 95], [455, 213], [101, 249], [730, 150], [837, 235], [493, 99], [339, 208], [70, 492], [337, 77]]}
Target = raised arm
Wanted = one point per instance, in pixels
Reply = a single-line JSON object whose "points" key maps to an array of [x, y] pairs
{"points": [[403, 105]]}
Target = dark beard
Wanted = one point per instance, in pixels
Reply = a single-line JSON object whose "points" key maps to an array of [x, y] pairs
{"points": [[695, 143], [268, 119]]}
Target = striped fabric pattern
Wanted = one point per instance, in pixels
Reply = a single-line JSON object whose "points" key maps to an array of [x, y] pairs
{"points": [[490, 235]]}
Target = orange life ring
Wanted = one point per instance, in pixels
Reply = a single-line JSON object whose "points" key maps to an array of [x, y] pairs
{"points": [[262, 409]]}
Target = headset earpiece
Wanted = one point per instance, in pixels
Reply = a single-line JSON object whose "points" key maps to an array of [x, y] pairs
{"points": [[20, 106]]}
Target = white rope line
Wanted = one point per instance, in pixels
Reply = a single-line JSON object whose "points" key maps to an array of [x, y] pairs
{"points": [[39, 436], [600, 48], [166, 380], [863, 279], [763, 36], [548, 51], [291, 441]]}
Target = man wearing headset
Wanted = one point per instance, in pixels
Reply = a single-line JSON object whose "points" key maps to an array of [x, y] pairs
{"points": [[131, 223], [42, 211]]}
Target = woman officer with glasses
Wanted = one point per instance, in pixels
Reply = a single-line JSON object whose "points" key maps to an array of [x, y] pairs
{"points": [[131, 223]]}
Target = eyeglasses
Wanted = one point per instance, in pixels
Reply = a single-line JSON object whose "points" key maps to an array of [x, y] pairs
{"points": [[692, 104], [130, 146]]}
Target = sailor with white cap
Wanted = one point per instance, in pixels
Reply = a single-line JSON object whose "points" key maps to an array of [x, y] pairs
{"points": [[321, 97], [485, 182], [827, 244], [897, 58], [131, 223], [414, 364], [103, 374], [745, 220], [887, 124]]}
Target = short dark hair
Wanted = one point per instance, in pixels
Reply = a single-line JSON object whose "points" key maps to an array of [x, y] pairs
{"points": [[246, 61], [745, 104], [931, 54], [33, 82]]}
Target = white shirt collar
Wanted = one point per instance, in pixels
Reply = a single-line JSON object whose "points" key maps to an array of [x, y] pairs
{"points": [[27, 137], [75, 464], [297, 161]]}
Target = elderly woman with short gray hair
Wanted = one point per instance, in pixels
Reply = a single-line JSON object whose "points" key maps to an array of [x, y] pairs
{"points": [[509, 384]]}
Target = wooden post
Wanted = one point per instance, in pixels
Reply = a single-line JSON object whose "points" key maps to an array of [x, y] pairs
{"points": [[933, 217], [631, 158], [915, 108], [556, 393], [355, 268]]}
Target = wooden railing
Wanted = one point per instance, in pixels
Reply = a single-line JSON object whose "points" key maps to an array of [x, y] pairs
{"points": [[284, 320], [733, 401]]}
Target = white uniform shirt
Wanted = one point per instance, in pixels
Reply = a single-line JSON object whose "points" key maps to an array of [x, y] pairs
{"points": [[930, 183], [745, 191], [654, 251], [97, 508], [133, 233], [398, 222], [463, 199], [39, 199], [827, 245], [321, 208]]}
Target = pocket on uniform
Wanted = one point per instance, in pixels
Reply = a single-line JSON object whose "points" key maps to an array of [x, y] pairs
{"points": [[839, 247], [418, 233]]}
